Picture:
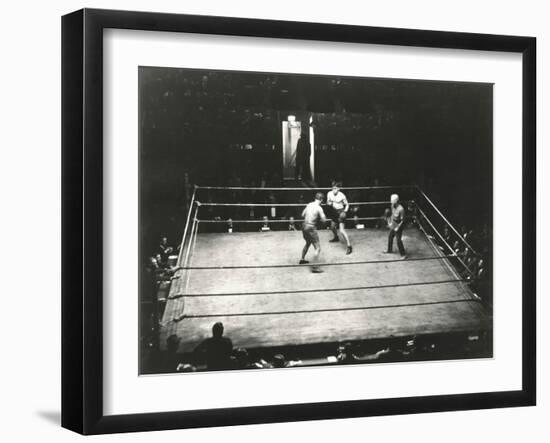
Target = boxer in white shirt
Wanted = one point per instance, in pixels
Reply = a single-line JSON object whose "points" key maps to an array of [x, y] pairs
{"points": [[339, 207]]}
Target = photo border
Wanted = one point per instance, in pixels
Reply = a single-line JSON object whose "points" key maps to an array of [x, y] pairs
{"points": [[82, 220]]}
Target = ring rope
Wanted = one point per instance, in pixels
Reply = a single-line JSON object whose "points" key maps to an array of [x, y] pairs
{"points": [[293, 265], [447, 221], [282, 220], [440, 236], [191, 238], [326, 188], [303, 291], [191, 208], [191, 248], [310, 311], [246, 205], [434, 228], [451, 268]]}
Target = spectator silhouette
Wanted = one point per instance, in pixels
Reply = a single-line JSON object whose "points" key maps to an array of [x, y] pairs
{"points": [[169, 359], [303, 153], [216, 349], [242, 360]]}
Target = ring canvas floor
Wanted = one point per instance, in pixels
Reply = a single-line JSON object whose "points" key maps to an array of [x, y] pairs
{"points": [[263, 320]]}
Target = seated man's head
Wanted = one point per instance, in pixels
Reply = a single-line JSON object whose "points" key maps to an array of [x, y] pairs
{"points": [[346, 350], [172, 343], [279, 361], [336, 187], [241, 355], [217, 329], [394, 199]]}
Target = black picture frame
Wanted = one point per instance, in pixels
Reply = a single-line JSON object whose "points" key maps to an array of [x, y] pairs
{"points": [[82, 218]]}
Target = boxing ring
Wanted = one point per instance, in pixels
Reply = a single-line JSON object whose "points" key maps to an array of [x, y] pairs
{"points": [[251, 280]]}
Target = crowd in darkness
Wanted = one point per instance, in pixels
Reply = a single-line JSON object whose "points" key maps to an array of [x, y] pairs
{"points": [[218, 353], [474, 265]]}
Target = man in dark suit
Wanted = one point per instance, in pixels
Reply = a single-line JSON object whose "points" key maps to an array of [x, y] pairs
{"points": [[303, 153]]}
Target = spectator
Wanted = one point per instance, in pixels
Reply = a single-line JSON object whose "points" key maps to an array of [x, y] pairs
{"points": [[235, 211], [383, 222], [265, 226], [464, 232], [390, 354], [185, 367], [456, 248], [301, 202], [411, 213], [354, 213], [216, 349], [272, 211], [347, 356], [153, 265], [291, 224], [164, 249], [160, 262], [279, 361], [471, 263], [169, 359], [480, 274], [209, 210], [447, 234], [242, 360]]}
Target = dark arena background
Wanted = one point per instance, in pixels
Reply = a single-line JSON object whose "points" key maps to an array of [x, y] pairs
{"points": [[228, 161]]}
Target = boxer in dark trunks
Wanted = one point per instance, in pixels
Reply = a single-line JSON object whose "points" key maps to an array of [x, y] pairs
{"points": [[312, 214], [339, 208]]}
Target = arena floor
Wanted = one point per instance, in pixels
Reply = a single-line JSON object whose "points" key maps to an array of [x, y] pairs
{"points": [[257, 312]]}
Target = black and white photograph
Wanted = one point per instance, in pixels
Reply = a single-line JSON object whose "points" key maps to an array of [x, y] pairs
{"points": [[261, 221], [294, 220]]}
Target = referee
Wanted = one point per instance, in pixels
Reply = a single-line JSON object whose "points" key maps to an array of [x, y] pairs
{"points": [[396, 225]]}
